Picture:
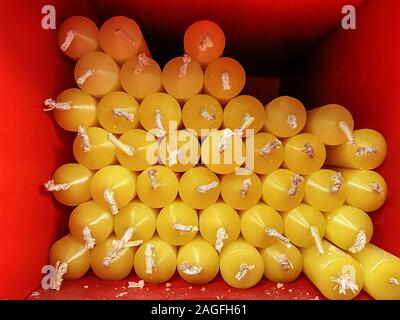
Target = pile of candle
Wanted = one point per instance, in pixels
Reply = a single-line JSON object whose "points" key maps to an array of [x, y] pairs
{"points": [[178, 172]]}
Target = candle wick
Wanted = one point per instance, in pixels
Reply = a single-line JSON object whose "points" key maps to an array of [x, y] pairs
{"points": [[285, 263], [365, 151], [86, 75], [149, 258], [270, 232], [152, 173], [173, 156], [188, 269], [394, 281], [296, 180], [142, 62], [205, 42], [129, 150], [244, 187], [85, 139], [125, 36], [120, 112], [244, 269], [117, 247], [208, 116], [52, 104], [221, 236], [60, 270], [160, 131], [87, 237], [308, 150], [68, 40], [376, 187], [267, 149], [347, 132], [207, 187], [292, 121], [317, 239], [184, 67], [226, 84], [51, 186], [109, 198], [247, 121], [344, 283], [185, 228], [359, 243], [337, 180], [223, 143]]}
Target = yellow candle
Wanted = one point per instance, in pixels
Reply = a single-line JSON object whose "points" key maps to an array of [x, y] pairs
{"points": [[285, 117], [90, 223], [204, 41], [336, 274], [141, 76], [282, 263], [113, 258], [155, 261], [262, 226], [332, 123], [366, 190], [268, 153], [71, 252], [77, 36], [199, 188], [177, 223], [283, 189], [304, 153], [183, 78], [93, 148], [197, 262], [157, 186], [244, 113], [223, 151], [224, 78], [202, 112], [160, 113], [121, 38], [180, 150], [139, 150], [73, 108], [367, 152], [117, 112], [241, 192], [70, 184], [348, 228], [381, 272], [219, 225], [138, 216], [241, 265], [97, 74], [113, 187], [325, 190], [304, 226]]}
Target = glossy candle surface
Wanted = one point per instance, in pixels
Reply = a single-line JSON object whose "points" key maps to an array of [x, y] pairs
{"points": [[367, 152], [182, 78], [233, 257], [241, 191], [348, 228], [117, 112], [157, 186], [141, 76], [145, 150], [298, 222], [285, 117], [97, 74], [224, 78], [100, 152], [94, 217], [202, 112], [366, 190], [204, 41], [77, 36], [199, 187], [268, 153], [381, 272], [174, 216], [82, 111], [239, 110], [282, 263], [163, 257], [78, 178], [304, 153], [325, 190], [256, 221], [74, 253], [117, 180], [138, 216], [197, 262], [325, 123], [326, 270], [283, 190]]}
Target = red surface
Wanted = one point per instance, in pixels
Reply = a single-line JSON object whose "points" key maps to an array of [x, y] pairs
{"points": [[261, 33]]}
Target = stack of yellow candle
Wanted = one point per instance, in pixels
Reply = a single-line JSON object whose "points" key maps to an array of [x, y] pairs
{"points": [[160, 175]]}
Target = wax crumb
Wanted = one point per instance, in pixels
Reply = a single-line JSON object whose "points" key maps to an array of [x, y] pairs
{"points": [[35, 294], [139, 284], [218, 298], [290, 290], [85, 287], [121, 294], [229, 290], [316, 298], [167, 289], [279, 285], [203, 289], [168, 285], [268, 293], [307, 294], [190, 288]]}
